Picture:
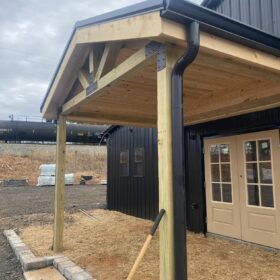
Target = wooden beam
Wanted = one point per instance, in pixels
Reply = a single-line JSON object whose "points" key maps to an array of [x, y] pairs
{"points": [[108, 59], [94, 58], [235, 110], [227, 49], [142, 26], [112, 119], [123, 71], [59, 185], [238, 97], [91, 62], [164, 125], [232, 66], [65, 79], [83, 78]]}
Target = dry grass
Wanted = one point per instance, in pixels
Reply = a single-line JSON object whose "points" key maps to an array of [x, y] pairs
{"points": [[107, 248], [14, 167], [80, 160]]}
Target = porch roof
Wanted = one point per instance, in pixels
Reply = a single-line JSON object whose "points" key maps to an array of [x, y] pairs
{"points": [[231, 75]]}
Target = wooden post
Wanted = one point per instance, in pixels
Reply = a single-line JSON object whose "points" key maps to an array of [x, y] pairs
{"points": [[164, 119], [59, 185]]}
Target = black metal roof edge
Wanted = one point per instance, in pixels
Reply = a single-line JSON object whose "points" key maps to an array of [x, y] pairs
{"points": [[136, 9], [184, 11], [211, 3]]}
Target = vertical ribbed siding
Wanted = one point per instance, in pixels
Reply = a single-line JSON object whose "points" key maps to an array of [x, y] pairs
{"points": [[262, 14], [137, 196]]}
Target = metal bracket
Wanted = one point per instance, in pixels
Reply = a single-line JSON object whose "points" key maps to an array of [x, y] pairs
{"points": [[160, 49], [91, 78], [91, 88]]}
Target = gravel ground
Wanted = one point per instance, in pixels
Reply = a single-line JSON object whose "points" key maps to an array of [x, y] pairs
{"points": [[23, 206]]}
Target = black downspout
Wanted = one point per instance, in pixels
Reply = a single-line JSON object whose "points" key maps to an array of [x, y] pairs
{"points": [[178, 150]]}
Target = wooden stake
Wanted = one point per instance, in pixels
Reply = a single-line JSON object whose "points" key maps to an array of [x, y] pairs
{"points": [[59, 185], [167, 257]]}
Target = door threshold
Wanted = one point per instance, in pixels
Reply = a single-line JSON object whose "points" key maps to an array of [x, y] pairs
{"points": [[236, 240]]}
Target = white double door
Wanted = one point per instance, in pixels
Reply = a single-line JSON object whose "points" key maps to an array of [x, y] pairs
{"points": [[242, 175]]}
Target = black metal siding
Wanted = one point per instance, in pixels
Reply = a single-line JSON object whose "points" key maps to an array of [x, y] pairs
{"points": [[262, 14], [137, 196]]}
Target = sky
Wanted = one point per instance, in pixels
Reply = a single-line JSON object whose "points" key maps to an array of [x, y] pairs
{"points": [[33, 35]]}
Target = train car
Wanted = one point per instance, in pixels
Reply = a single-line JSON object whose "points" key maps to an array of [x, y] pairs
{"points": [[19, 131]]}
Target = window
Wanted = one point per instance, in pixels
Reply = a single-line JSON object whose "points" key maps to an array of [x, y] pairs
{"points": [[139, 162], [124, 163], [258, 167], [220, 168]]}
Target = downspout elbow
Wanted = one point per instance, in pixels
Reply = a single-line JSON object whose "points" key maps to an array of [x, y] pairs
{"points": [[192, 49]]}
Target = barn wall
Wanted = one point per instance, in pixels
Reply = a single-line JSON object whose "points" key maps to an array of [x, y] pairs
{"points": [[262, 14], [139, 196], [136, 196]]}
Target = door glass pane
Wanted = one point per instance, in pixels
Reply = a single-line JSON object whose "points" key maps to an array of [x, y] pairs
{"points": [[267, 196], [265, 173], [264, 150], [252, 172], [214, 153], [215, 172], [250, 151], [226, 189], [216, 192], [225, 170], [253, 195], [225, 153]]}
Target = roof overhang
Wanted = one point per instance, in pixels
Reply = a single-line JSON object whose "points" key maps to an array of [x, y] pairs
{"points": [[224, 59]]}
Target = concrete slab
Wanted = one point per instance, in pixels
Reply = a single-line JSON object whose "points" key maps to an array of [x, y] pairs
{"points": [[49, 273]]}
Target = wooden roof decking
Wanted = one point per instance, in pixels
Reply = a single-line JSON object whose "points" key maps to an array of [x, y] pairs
{"points": [[225, 79]]}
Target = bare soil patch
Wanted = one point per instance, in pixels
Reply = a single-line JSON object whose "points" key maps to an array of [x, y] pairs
{"points": [[108, 245]]}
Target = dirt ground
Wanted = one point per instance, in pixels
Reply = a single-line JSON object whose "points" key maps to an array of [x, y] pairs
{"points": [[108, 245], [24, 206]]}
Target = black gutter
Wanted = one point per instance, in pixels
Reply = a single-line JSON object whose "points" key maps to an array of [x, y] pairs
{"points": [[136, 9], [183, 11], [179, 150]]}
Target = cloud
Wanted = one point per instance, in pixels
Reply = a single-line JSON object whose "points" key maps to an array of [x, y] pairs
{"points": [[33, 35]]}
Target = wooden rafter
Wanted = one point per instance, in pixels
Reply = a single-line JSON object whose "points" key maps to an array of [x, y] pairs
{"points": [[91, 62], [108, 59], [126, 69], [94, 58], [83, 78]]}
